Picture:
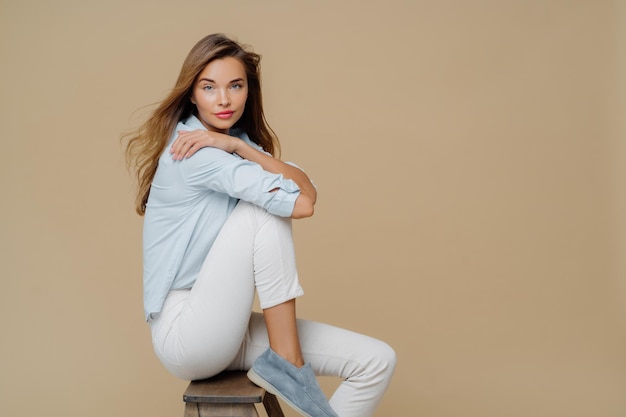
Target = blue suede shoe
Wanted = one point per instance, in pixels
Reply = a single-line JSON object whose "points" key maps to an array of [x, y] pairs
{"points": [[298, 387]]}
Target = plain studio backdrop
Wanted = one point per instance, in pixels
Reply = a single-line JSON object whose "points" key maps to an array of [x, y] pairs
{"points": [[471, 161]]}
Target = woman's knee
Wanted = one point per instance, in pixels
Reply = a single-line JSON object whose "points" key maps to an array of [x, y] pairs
{"points": [[373, 362], [383, 358]]}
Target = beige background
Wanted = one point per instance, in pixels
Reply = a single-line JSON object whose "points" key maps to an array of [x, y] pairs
{"points": [[470, 157]]}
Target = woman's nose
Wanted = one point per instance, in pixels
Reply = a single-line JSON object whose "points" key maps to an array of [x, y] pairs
{"points": [[224, 100]]}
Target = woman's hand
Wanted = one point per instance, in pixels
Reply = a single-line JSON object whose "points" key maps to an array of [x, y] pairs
{"points": [[188, 142]]}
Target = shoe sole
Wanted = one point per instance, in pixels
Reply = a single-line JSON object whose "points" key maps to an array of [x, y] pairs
{"points": [[254, 377]]}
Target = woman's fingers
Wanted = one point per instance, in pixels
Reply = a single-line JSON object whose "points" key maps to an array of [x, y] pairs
{"points": [[189, 142], [176, 146], [185, 145]]}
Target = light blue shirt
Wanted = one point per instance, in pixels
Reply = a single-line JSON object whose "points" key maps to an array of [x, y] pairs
{"points": [[189, 203]]}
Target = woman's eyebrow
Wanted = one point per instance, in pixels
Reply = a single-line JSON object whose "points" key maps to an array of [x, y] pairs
{"points": [[236, 80]]}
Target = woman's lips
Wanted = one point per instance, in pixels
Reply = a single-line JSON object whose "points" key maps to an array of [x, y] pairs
{"points": [[224, 114]]}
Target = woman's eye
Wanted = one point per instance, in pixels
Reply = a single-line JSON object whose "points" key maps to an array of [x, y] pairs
{"points": [[236, 86], [207, 87]]}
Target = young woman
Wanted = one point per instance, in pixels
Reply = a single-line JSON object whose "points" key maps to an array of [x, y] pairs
{"points": [[218, 207]]}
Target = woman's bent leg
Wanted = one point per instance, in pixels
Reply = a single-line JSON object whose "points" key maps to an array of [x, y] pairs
{"points": [[365, 364], [200, 331]]}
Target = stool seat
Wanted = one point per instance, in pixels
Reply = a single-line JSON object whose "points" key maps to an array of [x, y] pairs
{"points": [[230, 393]]}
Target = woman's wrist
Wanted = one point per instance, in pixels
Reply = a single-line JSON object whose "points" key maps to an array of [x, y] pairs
{"points": [[237, 145]]}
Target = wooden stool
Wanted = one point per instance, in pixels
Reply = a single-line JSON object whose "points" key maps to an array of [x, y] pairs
{"points": [[228, 394]]}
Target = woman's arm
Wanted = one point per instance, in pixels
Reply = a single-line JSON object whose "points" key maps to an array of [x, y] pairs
{"points": [[308, 194], [188, 142]]}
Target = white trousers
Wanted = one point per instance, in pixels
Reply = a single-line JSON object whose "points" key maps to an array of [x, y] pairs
{"points": [[209, 328]]}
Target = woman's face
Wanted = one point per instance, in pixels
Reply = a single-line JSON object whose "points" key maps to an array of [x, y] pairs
{"points": [[220, 94]]}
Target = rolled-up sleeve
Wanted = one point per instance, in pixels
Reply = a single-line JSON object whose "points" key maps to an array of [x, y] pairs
{"points": [[217, 170]]}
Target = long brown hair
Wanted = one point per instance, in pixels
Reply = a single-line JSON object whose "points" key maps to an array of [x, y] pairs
{"points": [[146, 143]]}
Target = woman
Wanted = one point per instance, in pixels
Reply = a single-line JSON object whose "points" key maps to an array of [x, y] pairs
{"points": [[218, 208]]}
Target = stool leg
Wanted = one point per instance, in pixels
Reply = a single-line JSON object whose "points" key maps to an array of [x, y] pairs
{"points": [[270, 402], [191, 410], [220, 410]]}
